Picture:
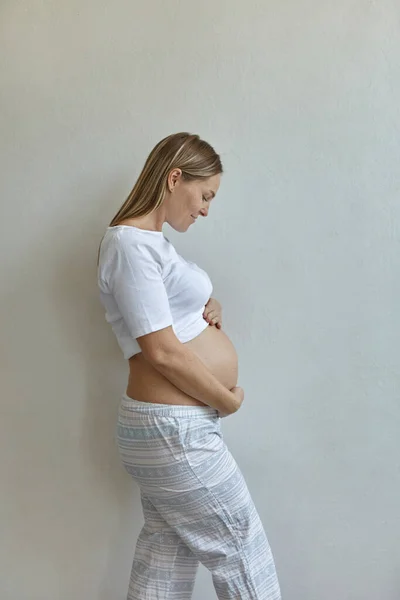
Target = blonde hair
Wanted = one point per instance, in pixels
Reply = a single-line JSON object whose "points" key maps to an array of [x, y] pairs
{"points": [[187, 152]]}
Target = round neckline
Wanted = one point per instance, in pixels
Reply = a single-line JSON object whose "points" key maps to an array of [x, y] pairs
{"points": [[137, 229]]}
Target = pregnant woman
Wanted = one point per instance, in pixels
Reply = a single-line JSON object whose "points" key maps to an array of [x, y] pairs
{"points": [[183, 373]]}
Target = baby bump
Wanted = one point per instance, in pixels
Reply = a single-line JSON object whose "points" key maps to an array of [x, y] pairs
{"points": [[214, 349], [217, 352]]}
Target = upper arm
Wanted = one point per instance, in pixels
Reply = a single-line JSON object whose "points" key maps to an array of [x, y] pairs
{"points": [[136, 284]]}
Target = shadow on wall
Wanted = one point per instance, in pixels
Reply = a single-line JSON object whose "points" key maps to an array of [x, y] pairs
{"points": [[86, 335]]}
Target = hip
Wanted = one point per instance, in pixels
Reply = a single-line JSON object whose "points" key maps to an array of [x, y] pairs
{"points": [[177, 455], [153, 434]]}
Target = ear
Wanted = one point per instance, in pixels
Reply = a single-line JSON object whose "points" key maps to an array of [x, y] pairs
{"points": [[173, 178]]}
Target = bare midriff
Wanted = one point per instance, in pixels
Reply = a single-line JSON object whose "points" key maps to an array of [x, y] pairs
{"points": [[214, 349]]}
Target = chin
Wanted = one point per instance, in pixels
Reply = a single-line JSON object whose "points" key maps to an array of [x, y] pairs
{"points": [[180, 228]]}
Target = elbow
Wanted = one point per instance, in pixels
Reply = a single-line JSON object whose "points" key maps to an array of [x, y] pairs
{"points": [[161, 357], [156, 358], [159, 348]]}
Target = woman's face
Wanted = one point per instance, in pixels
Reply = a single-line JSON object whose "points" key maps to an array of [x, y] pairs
{"points": [[187, 200]]}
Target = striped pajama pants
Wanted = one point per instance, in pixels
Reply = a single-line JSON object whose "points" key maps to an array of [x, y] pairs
{"points": [[196, 507]]}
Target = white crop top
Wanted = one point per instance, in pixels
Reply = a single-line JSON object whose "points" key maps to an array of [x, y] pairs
{"points": [[145, 285]]}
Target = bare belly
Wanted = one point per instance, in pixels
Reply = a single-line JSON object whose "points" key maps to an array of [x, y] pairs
{"points": [[214, 349]]}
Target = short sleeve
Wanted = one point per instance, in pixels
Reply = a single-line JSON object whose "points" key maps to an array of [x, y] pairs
{"points": [[136, 284]]}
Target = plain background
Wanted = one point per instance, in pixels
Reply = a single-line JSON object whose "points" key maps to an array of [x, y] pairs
{"points": [[301, 98]]}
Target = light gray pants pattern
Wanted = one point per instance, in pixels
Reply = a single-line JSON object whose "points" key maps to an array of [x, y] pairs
{"points": [[196, 507]]}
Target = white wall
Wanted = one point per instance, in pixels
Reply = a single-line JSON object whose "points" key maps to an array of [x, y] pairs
{"points": [[302, 100]]}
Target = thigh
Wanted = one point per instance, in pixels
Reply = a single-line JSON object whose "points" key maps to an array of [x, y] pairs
{"points": [[185, 469], [209, 505]]}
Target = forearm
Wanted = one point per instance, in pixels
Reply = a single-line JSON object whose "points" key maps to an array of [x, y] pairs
{"points": [[187, 372]]}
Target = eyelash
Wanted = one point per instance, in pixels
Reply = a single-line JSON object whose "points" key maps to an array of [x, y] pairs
{"points": [[204, 198]]}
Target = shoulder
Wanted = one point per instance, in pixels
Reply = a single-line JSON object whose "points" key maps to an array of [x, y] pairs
{"points": [[128, 247], [134, 241]]}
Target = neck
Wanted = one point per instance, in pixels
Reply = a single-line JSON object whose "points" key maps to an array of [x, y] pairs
{"points": [[152, 222]]}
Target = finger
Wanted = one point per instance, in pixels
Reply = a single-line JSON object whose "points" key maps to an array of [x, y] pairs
{"points": [[215, 321], [209, 320], [212, 314]]}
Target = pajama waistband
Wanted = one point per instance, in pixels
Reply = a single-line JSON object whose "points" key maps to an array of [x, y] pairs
{"points": [[169, 410]]}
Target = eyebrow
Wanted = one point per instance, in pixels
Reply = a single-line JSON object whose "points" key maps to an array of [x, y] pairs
{"points": [[213, 193]]}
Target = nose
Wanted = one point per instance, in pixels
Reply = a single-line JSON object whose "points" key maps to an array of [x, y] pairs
{"points": [[204, 212]]}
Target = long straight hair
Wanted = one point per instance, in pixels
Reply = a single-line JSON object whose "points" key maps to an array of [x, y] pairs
{"points": [[187, 152]]}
